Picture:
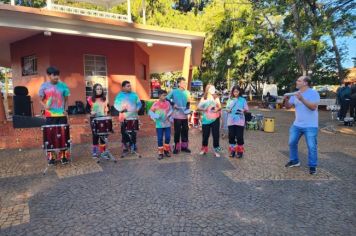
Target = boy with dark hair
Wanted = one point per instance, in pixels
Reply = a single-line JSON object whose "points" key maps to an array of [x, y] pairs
{"points": [[54, 95], [128, 104]]}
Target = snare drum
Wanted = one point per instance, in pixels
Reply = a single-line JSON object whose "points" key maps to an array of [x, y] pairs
{"points": [[131, 124], [56, 137], [102, 125]]}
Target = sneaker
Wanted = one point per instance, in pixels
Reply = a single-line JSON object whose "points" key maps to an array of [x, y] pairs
{"points": [[292, 164], [51, 162], [175, 151], [202, 152], [64, 161], [187, 150], [167, 154], [160, 156], [312, 170], [240, 154], [216, 151], [232, 154], [216, 154]]}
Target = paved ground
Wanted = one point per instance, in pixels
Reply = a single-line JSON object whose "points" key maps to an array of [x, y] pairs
{"points": [[187, 194]]}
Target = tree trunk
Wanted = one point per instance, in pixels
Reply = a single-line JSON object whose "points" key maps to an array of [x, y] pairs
{"points": [[340, 71]]}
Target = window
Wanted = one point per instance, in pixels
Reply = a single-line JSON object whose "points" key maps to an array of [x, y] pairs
{"points": [[29, 65], [95, 71]]}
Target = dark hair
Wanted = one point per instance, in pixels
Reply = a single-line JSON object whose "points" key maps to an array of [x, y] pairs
{"points": [[347, 83], [238, 89], [161, 91], [94, 96], [180, 79], [52, 71], [124, 83], [307, 79]]}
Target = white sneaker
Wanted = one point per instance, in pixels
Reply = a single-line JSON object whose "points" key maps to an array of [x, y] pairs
{"points": [[216, 154], [202, 152]]}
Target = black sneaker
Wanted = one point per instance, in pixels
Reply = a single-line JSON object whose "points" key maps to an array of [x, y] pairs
{"points": [[160, 156], [51, 162], [232, 154], [167, 154], [187, 150], [64, 161], [292, 164], [312, 170], [240, 154], [175, 151]]}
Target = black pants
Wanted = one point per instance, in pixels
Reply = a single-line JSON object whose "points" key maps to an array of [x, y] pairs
{"points": [[214, 127], [127, 137], [236, 134], [345, 104], [96, 138], [353, 106], [61, 120], [180, 129]]}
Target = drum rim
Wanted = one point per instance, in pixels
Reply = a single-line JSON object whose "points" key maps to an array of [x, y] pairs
{"points": [[50, 126], [131, 118], [103, 118]]}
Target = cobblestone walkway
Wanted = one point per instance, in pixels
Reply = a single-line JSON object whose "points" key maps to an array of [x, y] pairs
{"points": [[186, 194]]}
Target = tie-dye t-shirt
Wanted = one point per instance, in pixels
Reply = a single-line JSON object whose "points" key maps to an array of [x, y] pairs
{"points": [[53, 96], [162, 110], [180, 99], [209, 106], [128, 101], [100, 107], [235, 117]]}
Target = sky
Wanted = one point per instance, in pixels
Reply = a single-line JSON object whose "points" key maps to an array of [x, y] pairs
{"points": [[350, 44]]}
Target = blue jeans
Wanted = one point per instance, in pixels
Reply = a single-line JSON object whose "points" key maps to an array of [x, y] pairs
{"points": [[167, 135], [311, 136]]}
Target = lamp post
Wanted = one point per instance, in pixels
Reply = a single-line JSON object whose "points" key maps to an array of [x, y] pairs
{"points": [[228, 63]]}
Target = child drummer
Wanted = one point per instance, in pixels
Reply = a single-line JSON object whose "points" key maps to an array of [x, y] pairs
{"points": [[54, 95], [98, 106], [128, 104], [160, 112]]}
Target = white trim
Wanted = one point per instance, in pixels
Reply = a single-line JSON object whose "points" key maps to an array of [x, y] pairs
{"points": [[92, 31]]}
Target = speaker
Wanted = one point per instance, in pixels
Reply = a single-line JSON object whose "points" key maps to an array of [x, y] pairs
{"points": [[141, 112], [248, 116], [27, 122], [21, 91], [22, 105], [80, 107]]}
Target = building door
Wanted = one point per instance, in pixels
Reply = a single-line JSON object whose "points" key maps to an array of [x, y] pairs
{"points": [[95, 71]]}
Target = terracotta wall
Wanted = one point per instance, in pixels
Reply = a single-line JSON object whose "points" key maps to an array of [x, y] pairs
{"points": [[36, 45], [67, 53]]}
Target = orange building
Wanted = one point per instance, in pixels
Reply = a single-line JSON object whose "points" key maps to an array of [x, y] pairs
{"points": [[89, 49]]}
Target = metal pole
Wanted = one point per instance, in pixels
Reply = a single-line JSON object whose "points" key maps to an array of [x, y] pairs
{"points": [[228, 78], [144, 11], [49, 4], [129, 11]]}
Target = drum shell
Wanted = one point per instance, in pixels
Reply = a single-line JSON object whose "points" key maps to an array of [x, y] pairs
{"points": [[131, 125], [268, 124], [56, 137], [102, 125]]}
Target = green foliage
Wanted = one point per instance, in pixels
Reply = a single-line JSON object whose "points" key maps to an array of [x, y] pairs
{"points": [[266, 41]]}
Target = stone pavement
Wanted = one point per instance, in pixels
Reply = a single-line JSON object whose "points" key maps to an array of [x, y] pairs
{"points": [[186, 194]]}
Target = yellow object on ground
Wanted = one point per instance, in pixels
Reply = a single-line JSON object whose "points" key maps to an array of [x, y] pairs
{"points": [[268, 124]]}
